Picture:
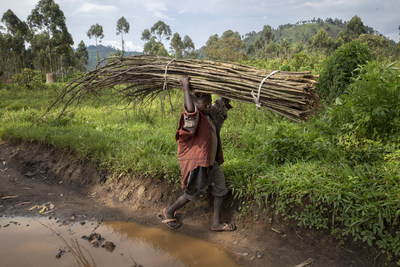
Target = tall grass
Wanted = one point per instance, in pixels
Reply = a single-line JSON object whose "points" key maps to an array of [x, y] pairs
{"points": [[316, 173]]}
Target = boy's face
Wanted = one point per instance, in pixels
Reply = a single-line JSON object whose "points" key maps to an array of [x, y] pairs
{"points": [[203, 103]]}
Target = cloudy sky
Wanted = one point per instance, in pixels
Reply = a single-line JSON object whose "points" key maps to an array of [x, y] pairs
{"points": [[201, 19]]}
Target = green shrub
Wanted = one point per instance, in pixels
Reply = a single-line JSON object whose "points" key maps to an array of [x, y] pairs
{"points": [[371, 108], [298, 170], [290, 142], [340, 68], [300, 61], [30, 79], [359, 202]]}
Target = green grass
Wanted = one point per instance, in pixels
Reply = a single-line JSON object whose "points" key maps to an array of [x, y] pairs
{"points": [[302, 170]]}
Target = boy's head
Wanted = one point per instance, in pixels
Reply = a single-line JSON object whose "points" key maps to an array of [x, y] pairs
{"points": [[202, 101]]}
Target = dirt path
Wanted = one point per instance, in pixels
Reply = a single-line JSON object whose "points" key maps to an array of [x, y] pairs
{"points": [[33, 175]]}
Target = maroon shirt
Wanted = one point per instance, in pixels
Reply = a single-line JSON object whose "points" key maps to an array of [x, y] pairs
{"points": [[194, 149]]}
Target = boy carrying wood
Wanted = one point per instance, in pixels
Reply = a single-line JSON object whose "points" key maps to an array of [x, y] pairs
{"points": [[200, 154]]}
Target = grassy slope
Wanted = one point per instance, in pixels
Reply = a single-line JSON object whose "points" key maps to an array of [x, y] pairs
{"points": [[303, 33], [269, 160], [299, 33]]}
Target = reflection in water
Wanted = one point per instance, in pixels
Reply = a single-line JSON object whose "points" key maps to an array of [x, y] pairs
{"points": [[30, 242]]}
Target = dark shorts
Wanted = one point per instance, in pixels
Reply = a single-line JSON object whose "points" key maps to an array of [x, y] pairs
{"points": [[199, 180]]}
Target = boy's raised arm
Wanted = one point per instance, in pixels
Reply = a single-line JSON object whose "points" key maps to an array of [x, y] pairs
{"points": [[187, 98]]}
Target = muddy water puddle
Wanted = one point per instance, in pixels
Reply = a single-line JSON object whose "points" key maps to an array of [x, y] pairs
{"points": [[48, 242]]}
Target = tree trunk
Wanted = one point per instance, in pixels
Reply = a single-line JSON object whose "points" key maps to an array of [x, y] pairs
{"points": [[51, 77], [122, 41], [97, 53]]}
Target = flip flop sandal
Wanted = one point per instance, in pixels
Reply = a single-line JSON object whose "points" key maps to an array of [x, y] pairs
{"points": [[172, 223], [228, 227]]}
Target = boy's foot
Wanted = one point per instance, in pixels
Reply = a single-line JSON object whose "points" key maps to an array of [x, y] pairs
{"points": [[224, 227], [170, 221]]}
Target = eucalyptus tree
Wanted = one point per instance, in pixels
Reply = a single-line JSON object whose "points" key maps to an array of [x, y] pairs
{"points": [[354, 28], [3, 52], [154, 38], [38, 45], [188, 47], [13, 24], [48, 19], [322, 42], [122, 27], [146, 35], [228, 47], [284, 49], [81, 56], [15, 39], [153, 47], [176, 45], [266, 35], [96, 31], [161, 31]]}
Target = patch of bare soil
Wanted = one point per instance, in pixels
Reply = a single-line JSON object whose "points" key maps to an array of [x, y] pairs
{"points": [[37, 180]]}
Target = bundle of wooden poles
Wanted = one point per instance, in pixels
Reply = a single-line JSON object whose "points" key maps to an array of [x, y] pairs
{"points": [[140, 78]]}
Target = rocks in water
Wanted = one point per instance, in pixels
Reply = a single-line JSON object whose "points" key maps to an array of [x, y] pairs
{"points": [[96, 240], [109, 246], [60, 253]]}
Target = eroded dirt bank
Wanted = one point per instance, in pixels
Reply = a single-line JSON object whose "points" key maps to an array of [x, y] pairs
{"points": [[33, 175]]}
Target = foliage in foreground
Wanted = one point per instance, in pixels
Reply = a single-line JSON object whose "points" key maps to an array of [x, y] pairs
{"points": [[371, 107], [320, 174], [29, 79], [340, 68]]}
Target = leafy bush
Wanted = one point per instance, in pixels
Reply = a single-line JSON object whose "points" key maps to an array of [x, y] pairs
{"points": [[300, 60], [340, 68], [30, 79], [359, 202], [349, 186], [290, 142], [371, 108]]}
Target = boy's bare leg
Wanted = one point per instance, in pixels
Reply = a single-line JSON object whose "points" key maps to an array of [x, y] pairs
{"points": [[179, 203], [216, 224]]}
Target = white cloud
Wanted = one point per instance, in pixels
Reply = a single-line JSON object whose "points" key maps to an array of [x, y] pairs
{"points": [[327, 4], [158, 10], [93, 8], [128, 46], [113, 43]]}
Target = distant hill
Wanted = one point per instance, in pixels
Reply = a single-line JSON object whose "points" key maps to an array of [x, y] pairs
{"points": [[301, 32], [104, 51]]}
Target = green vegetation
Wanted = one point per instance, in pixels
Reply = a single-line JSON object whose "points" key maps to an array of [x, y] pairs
{"points": [[122, 27], [96, 31], [340, 68], [339, 171], [29, 79]]}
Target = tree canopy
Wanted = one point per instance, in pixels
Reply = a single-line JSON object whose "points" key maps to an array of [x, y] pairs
{"points": [[48, 19], [181, 48], [154, 38], [161, 31], [122, 27], [96, 31], [228, 47]]}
